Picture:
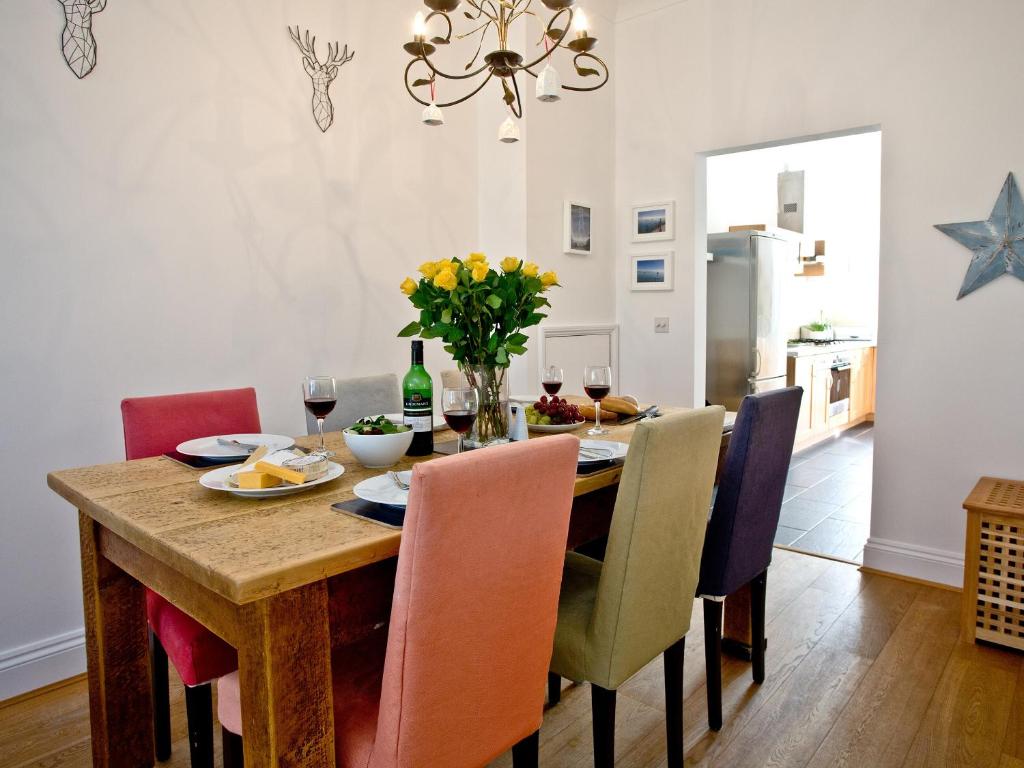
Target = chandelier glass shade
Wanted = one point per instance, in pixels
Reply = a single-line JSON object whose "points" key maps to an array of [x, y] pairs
{"points": [[492, 20]]}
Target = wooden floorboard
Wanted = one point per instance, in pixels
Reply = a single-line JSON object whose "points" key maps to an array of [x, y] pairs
{"points": [[863, 671]]}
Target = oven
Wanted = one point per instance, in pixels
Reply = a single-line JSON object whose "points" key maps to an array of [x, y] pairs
{"points": [[839, 393]]}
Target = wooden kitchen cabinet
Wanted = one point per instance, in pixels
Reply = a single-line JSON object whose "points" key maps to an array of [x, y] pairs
{"points": [[862, 384], [799, 375], [814, 374]]}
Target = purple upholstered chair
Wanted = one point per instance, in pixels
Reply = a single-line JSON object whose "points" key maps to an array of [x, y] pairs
{"points": [[738, 544]]}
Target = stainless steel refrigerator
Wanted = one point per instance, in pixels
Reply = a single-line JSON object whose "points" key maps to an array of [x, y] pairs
{"points": [[746, 346]]}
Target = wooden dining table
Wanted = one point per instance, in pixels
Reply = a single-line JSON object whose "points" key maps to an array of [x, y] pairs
{"points": [[261, 574]]}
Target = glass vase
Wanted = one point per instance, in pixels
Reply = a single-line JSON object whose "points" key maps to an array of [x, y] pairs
{"points": [[491, 425]]}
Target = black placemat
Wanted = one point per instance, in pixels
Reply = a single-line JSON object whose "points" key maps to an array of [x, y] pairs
{"points": [[391, 517], [582, 470], [197, 462]]}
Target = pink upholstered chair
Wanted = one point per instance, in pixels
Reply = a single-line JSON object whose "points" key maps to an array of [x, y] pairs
{"points": [[460, 678], [153, 426]]}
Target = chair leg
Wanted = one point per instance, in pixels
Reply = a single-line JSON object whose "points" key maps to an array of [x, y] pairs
{"points": [[758, 595], [199, 712], [526, 754], [713, 661], [161, 698], [554, 689], [674, 703], [602, 701], [231, 748]]}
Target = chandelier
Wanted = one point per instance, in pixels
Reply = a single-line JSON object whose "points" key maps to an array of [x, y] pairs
{"points": [[566, 29]]}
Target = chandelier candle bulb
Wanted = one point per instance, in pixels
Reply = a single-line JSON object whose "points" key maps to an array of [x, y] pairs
{"points": [[419, 28], [579, 23]]}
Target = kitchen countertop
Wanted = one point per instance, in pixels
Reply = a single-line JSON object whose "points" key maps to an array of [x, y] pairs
{"points": [[808, 350]]}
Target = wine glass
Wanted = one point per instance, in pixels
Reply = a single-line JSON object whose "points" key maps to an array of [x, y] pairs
{"points": [[597, 383], [552, 381], [459, 406], [320, 394]]}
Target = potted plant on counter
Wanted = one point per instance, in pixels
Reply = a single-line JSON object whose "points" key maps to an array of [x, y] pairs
{"points": [[480, 313]]}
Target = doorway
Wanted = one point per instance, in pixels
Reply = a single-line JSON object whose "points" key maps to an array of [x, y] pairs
{"points": [[817, 203]]}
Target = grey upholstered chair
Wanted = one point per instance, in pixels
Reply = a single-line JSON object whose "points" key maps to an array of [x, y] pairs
{"points": [[740, 535], [366, 396]]}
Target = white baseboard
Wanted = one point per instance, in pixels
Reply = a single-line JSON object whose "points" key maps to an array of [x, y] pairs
{"points": [[46, 661], [925, 563]]}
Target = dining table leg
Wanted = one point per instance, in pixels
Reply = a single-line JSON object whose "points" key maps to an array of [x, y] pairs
{"points": [[736, 626], [284, 666], [117, 654]]}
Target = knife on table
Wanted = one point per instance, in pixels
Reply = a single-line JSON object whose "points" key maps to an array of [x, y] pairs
{"points": [[649, 413]]}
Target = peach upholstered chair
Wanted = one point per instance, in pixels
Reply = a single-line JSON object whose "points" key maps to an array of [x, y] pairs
{"points": [[461, 676]]}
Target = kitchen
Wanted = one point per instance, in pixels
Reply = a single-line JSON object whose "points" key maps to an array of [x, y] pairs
{"points": [[795, 228]]}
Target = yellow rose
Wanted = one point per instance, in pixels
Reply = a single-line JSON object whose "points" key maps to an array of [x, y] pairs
{"points": [[429, 268], [548, 279], [510, 264], [480, 270], [530, 269], [452, 265], [477, 258], [446, 279], [409, 286]]}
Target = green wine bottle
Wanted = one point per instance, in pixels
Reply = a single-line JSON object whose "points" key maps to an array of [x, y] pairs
{"points": [[418, 405]]}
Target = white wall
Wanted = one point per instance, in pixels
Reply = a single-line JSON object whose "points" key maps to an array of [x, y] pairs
{"points": [[842, 183], [706, 75], [176, 221]]}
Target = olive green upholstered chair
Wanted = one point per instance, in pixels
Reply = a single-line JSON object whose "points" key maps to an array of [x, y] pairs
{"points": [[615, 616]]}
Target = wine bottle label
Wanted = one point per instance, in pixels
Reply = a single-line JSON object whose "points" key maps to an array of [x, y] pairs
{"points": [[419, 412]]}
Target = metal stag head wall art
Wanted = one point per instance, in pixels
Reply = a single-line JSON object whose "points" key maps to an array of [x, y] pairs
{"points": [[78, 42], [322, 75]]}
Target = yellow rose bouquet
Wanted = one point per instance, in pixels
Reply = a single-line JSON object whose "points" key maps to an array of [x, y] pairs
{"points": [[480, 313]]}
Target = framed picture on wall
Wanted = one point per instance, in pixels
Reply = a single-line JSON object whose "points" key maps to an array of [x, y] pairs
{"points": [[653, 271], [656, 221], [576, 237]]}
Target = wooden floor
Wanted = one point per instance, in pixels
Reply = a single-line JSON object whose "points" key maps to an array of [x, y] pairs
{"points": [[862, 671]]}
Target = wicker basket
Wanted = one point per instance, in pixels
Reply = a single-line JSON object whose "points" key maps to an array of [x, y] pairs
{"points": [[994, 563]]}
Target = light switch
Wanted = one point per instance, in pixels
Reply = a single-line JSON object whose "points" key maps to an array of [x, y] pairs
{"points": [[661, 325]]}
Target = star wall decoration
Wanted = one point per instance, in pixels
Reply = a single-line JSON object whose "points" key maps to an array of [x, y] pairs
{"points": [[998, 244]]}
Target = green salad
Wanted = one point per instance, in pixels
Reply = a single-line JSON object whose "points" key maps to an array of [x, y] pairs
{"points": [[378, 425]]}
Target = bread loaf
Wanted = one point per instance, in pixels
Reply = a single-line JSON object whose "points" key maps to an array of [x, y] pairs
{"points": [[588, 413]]}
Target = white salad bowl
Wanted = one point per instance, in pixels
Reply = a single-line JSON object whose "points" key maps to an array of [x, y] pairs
{"points": [[376, 451]]}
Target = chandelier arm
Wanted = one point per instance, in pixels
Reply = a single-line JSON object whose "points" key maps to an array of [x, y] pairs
{"points": [[417, 99], [516, 13], [446, 17], [480, 10], [426, 60], [519, 101], [565, 31], [600, 62]]}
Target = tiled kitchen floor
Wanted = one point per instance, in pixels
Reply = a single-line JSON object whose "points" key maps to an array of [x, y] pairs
{"points": [[827, 505]]}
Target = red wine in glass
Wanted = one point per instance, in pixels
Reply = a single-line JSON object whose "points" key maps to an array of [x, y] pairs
{"points": [[597, 392], [460, 421], [552, 387], [320, 406], [320, 394]]}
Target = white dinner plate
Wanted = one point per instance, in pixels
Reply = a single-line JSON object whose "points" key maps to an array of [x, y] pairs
{"points": [[209, 448], [382, 490], [553, 429], [216, 480], [609, 451]]}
